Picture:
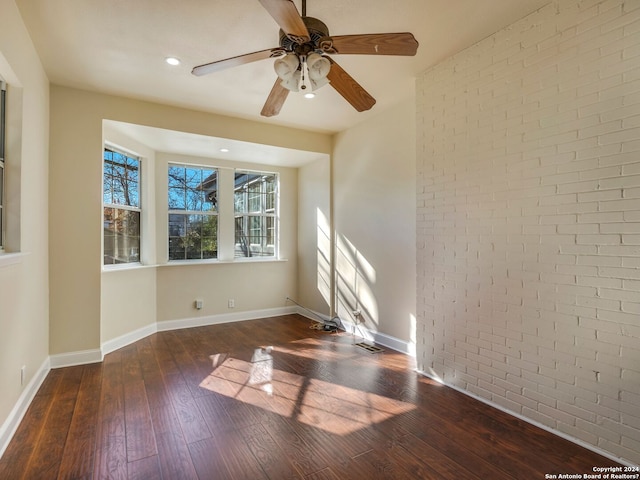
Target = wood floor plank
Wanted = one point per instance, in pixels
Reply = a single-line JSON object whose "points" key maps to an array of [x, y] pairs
{"points": [[47, 456], [173, 453], [207, 460], [15, 460], [111, 446], [273, 460], [78, 456], [144, 469], [139, 435], [193, 424], [237, 457], [325, 474], [215, 402], [304, 456]]}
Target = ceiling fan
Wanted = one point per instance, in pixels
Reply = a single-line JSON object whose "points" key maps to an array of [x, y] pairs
{"points": [[302, 62]]}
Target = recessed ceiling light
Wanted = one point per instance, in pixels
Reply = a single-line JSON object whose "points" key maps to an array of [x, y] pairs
{"points": [[172, 61], [224, 150], [309, 95]]}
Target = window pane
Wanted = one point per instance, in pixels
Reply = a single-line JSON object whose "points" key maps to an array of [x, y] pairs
{"points": [[192, 188], [177, 231], [239, 201], [107, 192], [176, 199], [192, 236], [121, 236], [121, 179], [209, 188], [193, 177], [176, 177], [193, 200]]}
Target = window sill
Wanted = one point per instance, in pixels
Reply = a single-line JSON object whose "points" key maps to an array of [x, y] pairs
{"points": [[124, 266], [182, 263], [7, 259], [186, 263]]}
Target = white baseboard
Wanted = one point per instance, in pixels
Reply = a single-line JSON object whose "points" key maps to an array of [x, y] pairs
{"points": [[375, 337], [75, 358], [558, 433], [10, 425], [223, 318], [388, 341], [128, 338], [92, 356]]}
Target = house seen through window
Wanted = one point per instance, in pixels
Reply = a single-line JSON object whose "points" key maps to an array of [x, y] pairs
{"points": [[121, 202], [255, 205]]}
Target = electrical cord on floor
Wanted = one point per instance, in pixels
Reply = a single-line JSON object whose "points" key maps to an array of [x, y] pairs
{"points": [[324, 325]]}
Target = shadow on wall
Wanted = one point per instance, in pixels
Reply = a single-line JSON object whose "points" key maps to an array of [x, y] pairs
{"points": [[355, 278]]}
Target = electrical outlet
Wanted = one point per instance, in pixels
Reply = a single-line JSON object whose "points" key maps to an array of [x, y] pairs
{"points": [[198, 304], [231, 303]]}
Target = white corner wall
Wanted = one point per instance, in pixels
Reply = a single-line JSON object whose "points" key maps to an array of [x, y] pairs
{"points": [[373, 201], [528, 220], [314, 236]]}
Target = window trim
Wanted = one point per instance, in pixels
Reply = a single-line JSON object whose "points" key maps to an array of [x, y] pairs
{"points": [[209, 213], [264, 213], [139, 208], [3, 183]]}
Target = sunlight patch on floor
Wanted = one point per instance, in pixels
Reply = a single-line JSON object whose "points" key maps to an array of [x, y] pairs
{"points": [[334, 408]]}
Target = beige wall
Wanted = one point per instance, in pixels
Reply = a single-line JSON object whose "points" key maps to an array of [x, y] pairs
{"points": [[75, 182], [314, 236], [373, 182], [528, 221], [24, 304]]}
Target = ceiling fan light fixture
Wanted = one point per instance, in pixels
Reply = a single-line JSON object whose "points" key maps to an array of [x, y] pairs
{"points": [[292, 83], [318, 83], [286, 66], [319, 66]]}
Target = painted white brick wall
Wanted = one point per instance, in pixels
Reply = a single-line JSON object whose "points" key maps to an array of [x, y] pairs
{"points": [[528, 221]]}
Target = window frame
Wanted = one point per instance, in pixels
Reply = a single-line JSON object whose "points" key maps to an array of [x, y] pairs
{"points": [[269, 208], [212, 213], [3, 126], [123, 206]]}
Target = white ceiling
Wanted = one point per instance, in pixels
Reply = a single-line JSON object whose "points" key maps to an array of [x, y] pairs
{"points": [[119, 47]]}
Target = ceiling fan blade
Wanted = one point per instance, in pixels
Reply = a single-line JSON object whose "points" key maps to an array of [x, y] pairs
{"points": [[351, 90], [235, 61], [275, 100], [285, 13], [372, 44]]}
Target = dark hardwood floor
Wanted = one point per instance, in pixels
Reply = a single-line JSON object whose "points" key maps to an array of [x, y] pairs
{"points": [[216, 403]]}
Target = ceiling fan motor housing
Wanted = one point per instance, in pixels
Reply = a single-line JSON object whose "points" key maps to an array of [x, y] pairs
{"points": [[317, 30]]}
